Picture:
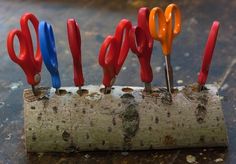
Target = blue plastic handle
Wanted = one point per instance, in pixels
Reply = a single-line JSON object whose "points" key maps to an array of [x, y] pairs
{"points": [[49, 54]]}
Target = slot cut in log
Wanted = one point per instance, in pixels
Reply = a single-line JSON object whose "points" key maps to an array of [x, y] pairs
{"points": [[126, 119]]}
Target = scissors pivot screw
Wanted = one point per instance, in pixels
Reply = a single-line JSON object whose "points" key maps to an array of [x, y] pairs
{"points": [[37, 78]]}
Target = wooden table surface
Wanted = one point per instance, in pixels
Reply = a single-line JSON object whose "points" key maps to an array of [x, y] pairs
{"points": [[97, 19]]}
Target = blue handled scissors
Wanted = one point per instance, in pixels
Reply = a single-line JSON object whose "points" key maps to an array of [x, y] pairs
{"points": [[49, 54]]}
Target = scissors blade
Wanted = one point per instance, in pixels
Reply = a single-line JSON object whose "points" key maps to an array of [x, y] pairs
{"points": [[168, 74], [208, 53]]}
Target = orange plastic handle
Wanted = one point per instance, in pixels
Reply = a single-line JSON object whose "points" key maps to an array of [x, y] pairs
{"points": [[165, 32]]}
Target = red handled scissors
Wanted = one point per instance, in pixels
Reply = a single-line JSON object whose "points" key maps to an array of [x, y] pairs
{"points": [[30, 63], [208, 53], [113, 53], [141, 43], [75, 48]]}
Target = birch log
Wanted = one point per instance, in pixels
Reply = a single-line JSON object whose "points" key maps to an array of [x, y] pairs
{"points": [[126, 119]]}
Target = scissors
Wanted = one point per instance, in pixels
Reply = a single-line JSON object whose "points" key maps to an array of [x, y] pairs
{"points": [[75, 47], [49, 54], [141, 43], [165, 33], [207, 56], [113, 53], [30, 63]]}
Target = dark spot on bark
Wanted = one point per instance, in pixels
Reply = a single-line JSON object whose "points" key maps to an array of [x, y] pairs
{"points": [[75, 105], [179, 112], [109, 129], [54, 109], [30, 129], [203, 99], [34, 137], [57, 127], [150, 128], [130, 121], [156, 120], [141, 143], [39, 117], [91, 106], [114, 121], [63, 121], [84, 111], [202, 139], [217, 119], [182, 124], [166, 98], [127, 96], [89, 145], [65, 136], [200, 113], [32, 107], [168, 114], [118, 104], [103, 142], [169, 140], [87, 136]]}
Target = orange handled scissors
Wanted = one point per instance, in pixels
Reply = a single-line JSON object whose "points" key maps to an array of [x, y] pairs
{"points": [[165, 33]]}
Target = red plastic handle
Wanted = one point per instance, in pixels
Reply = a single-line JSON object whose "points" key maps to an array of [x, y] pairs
{"points": [[141, 43], [30, 63], [107, 60], [114, 51], [143, 23], [74, 39], [139, 46], [122, 40], [208, 53]]}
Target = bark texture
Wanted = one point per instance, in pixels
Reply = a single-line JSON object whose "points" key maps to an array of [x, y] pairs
{"points": [[126, 119]]}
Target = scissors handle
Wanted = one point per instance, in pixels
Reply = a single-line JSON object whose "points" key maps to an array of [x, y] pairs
{"points": [[37, 58], [139, 46], [143, 23], [30, 63], [165, 32], [106, 59], [74, 39], [48, 48], [122, 39], [208, 53]]}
